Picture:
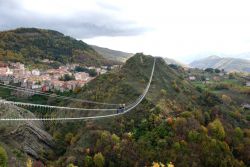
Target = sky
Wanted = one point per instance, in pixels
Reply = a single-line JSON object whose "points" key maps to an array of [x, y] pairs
{"points": [[180, 29]]}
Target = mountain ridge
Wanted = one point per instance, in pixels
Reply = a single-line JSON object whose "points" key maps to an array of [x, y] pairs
{"points": [[112, 54], [227, 63]]}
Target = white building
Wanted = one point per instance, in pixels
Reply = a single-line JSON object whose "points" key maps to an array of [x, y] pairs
{"points": [[35, 72], [192, 78], [81, 76], [248, 83]]}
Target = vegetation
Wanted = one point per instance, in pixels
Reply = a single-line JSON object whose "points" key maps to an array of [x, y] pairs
{"points": [[67, 77], [3, 157], [177, 124], [31, 46], [91, 72]]}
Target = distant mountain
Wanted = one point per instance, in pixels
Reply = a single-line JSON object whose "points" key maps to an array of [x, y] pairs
{"points": [[228, 64], [191, 58], [31, 45], [112, 54]]}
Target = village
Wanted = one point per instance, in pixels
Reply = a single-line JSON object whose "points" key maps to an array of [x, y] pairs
{"points": [[208, 76], [65, 78]]}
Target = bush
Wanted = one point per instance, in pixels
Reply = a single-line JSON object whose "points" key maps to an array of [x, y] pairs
{"points": [[67, 77], [3, 157], [163, 92], [91, 72], [99, 160], [88, 161]]}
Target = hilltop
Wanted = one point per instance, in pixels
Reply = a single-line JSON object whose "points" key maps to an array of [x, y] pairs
{"points": [[120, 56], [228, 64], [32, 45]]}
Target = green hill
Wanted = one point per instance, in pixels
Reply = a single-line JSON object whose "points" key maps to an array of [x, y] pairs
{"points": [[31, 46], [175, 120]]}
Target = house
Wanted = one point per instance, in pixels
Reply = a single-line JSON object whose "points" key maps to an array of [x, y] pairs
{"points": [[17, 71], [16, 80], [70, 85], [35, 72], [103, 71], [221, 74], [192, 78], [115, 67], [80, 83], [63, 68], [82, 76], [45, 88], [17, 65], [36, 86], [216, 78], [246, 106], [47, 61], [91, 68], [248, 83], [6, 71], [57, 84]]}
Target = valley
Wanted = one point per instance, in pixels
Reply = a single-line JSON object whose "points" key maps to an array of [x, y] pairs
{"points": [[184, 116]]}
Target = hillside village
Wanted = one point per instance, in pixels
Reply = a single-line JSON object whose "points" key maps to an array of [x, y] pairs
{"points": [[65, 78]]}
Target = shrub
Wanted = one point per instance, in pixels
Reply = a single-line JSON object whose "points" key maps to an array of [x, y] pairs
{"points": [[3, 157], [216, 129], [99, 160]]}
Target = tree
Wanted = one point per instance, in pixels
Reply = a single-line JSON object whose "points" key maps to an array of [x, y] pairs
{"points": [[99, 160], [88, 161], [163, 92], [29, 163], [210, 70], [67, 77], [226, 99], [71, 165], [239, 133], [91, 72], [115, 138], [231, 76], [68, 137], [216, 129], [3, 157], [217, 70]]}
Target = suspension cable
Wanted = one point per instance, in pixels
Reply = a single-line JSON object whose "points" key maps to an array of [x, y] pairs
{"points": [[127, 109]]}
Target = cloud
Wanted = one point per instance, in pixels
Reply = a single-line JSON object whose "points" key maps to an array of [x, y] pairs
{"points": [[74, 22]]}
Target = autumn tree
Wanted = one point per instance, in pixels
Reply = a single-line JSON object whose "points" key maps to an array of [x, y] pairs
{"points": [[216, 129], [88, 161], [29, 163], [99, 160], [3, 157], [226, 99]]}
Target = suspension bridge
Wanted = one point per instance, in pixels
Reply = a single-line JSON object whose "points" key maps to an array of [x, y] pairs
{"points": [[114, 113]]}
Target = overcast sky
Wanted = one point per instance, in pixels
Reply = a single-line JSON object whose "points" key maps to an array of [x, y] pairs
{"points": [[169, 28]]}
